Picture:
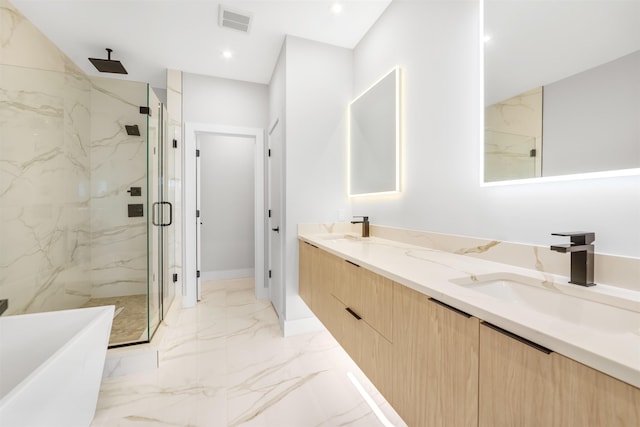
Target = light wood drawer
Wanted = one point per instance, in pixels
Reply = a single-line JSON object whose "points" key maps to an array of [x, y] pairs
{"points": [[367, 294], [368, 348]]}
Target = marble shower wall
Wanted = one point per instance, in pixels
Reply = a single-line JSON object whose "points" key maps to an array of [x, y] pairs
{"points": [[118, 162], [65, 166], [44, 189], [44, 171], [513, 128]]}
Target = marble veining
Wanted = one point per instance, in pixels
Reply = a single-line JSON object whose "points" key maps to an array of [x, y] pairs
{"points": [[42, 203], [63, 199], [513, 128], [477, 249], [225, 363], [118, 162], [579, 333], [612, 270], [21, 43]]}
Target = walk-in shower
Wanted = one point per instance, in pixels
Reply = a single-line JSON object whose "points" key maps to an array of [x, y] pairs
{"points": [[84, 204]]}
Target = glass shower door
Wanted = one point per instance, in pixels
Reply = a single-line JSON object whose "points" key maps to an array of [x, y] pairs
{"points": [[154, 234], [161, 216], [165, 215]]}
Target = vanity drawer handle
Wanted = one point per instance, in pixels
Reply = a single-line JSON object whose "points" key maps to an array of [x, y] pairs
{"points": [[353, 313], [518, 338], [467, 315], [352, 263]]}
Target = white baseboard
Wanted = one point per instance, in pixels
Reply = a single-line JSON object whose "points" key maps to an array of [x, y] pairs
{"points": [[301, 326], [228, 274]]}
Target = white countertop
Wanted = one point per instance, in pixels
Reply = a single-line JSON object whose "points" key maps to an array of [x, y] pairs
{"points": [[429, 271]]}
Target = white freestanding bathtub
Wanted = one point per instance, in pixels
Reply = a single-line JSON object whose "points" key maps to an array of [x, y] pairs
{"points": [[51, 366]]}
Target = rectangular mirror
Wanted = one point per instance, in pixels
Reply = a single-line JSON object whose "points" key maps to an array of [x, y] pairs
{"points": [[374, 138], [562, 88]]}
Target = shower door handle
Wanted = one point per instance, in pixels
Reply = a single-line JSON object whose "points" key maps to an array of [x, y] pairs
{"points": [[155, 209], [170, 214]]}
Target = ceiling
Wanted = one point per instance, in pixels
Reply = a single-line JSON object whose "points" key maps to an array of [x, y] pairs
{"points": [[150, 36], [536, 43]]}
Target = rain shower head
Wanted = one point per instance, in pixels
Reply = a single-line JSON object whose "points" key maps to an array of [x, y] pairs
{"points": [[108, 65]]}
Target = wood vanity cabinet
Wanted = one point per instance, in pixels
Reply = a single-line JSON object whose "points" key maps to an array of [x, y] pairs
{"points": [[364, 312], [339, 293], [435, 360], [367, 294], [306, 272], [525, 385], [316, 276], [438, 366]]}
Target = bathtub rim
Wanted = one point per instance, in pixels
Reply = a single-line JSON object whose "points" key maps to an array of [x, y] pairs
{"points": [[102, 311]]}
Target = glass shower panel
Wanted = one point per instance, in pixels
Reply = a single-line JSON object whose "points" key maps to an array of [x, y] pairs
{"points": [[161, 217], [168, 229], [153, 220], [118, 207]]}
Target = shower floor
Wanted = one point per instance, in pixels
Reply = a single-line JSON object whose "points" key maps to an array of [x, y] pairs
{"points": [[129, 320]]}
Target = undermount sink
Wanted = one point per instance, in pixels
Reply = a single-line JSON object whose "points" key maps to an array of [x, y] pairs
{"points": [[565, 302]]}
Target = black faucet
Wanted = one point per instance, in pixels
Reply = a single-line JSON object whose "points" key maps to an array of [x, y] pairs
{"points": [[582, 260], [365, 225]]}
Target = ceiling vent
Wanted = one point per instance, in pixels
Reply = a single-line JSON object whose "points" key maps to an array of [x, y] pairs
{"points": [[234, 19]]}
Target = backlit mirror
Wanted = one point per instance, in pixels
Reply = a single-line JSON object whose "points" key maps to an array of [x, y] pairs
{"points": [[374, 138], [562, 88]]}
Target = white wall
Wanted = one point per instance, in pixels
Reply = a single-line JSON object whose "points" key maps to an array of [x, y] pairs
{"points": [[220, 106], [436, 44], [277, 90], [311, 84], [591, 119], [227, 202], [318, 90], [226, 102]]}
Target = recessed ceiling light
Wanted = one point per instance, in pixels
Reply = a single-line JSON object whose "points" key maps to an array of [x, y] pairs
{"points": [[336, 8], [227, 54]]}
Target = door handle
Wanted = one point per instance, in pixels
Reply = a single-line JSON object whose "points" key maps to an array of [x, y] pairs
{"points": [[353, 313], [155, 207], [153, 213], [170, 214], [277, 229]]}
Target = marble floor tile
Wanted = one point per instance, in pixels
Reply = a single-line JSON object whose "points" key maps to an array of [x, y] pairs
{"points": [[226, 363]]}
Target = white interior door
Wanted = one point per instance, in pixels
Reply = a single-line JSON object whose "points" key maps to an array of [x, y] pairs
{"points": [[191, 203], [276, 224]]}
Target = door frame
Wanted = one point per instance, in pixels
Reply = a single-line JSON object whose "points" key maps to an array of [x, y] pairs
{"points": [[189, 179], [280, 307]]}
